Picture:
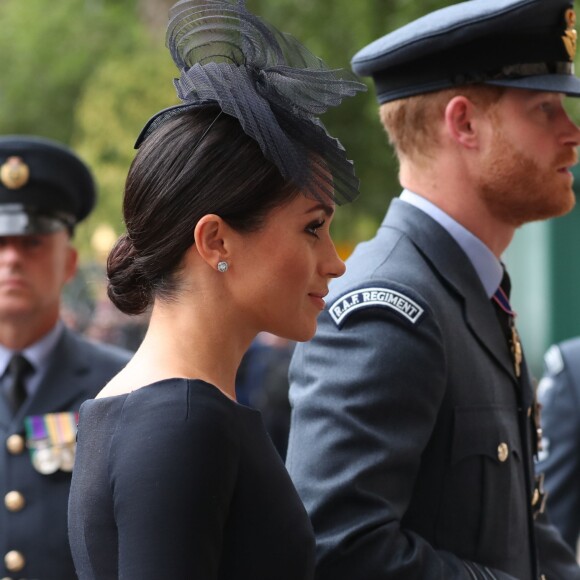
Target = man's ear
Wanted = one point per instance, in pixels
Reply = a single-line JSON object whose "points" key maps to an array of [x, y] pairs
{"points": [[210, 236], [72, 261], [462, 122]]}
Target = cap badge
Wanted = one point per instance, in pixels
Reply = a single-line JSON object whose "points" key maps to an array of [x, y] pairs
{"points": [[14, 173], [570, 34]]}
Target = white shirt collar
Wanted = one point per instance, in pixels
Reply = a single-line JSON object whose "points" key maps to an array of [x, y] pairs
{"points": [[489, 269], [37, 354]]}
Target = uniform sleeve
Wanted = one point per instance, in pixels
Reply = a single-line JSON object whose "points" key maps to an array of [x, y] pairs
{"points": [[560, 458], [557, 561], [365, 400], [172, 473]]}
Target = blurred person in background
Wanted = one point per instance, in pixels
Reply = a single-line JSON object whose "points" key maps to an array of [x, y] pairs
{"points": [[46, 370], [108, 324], [559, 457]]}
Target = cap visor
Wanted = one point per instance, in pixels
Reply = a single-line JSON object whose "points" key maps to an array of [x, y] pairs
{"points": [[567, 84]]}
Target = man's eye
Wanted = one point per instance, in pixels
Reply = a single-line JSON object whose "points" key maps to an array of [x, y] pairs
{"points": [[547, 108], [32, 242]]}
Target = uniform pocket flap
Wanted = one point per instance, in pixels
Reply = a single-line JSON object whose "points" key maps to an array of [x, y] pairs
{"points": [[488, 430]]}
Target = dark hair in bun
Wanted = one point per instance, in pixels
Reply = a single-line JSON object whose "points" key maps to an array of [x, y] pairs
{"points": [[197, 163]]}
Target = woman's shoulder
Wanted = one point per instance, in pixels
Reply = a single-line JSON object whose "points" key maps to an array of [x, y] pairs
{"points": [[178, 404], [162, 418], [175, 420]]}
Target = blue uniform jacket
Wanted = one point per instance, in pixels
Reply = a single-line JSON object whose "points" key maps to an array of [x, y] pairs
{"points": [[411, 437], [559, 395], [38, 532]]}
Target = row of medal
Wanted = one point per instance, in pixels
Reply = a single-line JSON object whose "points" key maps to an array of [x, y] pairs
{"points": [[51, 441]]}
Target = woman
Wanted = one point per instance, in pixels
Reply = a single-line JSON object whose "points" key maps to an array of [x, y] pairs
{"points": [[227, 206]]}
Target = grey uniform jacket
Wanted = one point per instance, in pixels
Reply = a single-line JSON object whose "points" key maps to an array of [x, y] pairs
{"points": [[411, 438], [78, 370], [560, 459]]}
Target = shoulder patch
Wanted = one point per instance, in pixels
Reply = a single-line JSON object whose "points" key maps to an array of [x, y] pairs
{"points": [[375, 297]]}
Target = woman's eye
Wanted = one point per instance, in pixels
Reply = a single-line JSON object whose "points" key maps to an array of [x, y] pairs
{"points": [[314, 227]]}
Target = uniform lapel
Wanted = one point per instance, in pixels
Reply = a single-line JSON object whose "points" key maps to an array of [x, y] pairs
{"points": [[457, 273]]}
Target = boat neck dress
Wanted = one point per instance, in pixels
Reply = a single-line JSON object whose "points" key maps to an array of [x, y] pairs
{"points": [[176, 480]]}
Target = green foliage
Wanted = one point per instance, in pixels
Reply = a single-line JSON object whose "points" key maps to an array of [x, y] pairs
{"points": [[116, 102], [48, 51]]}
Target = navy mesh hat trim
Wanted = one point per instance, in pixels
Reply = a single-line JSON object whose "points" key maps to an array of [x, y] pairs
{"points": [[268, 81]]}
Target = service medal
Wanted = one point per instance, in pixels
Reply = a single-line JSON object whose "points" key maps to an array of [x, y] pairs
{"points": [[45, 460], [67, 457]]}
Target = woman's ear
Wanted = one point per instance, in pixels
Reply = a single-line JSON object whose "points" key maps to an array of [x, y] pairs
{"points": [[461, 122], [210, 236], [213, 240]]}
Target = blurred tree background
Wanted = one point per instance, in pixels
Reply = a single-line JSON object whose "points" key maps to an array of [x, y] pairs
{"points": [[91, 72]]}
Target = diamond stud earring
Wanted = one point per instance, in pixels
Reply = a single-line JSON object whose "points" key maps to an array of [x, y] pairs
{"points": [[222, 266]]}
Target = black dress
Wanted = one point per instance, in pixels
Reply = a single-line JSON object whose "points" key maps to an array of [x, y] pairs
{"points": [[175, 480]]}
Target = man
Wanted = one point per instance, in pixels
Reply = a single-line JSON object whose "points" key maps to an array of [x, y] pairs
{"points": [[414, 423], [559, 459], [45, 190]]}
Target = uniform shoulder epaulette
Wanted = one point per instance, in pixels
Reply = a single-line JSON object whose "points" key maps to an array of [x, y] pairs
{"points": [[376, 295]]}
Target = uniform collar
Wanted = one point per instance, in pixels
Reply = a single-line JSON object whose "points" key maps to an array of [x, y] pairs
{"points": [[489, 269], [38, 353]]}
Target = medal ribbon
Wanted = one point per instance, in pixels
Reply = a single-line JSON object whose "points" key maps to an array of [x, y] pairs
{"points": [[61, 427], [501, 299], [36, 427]]}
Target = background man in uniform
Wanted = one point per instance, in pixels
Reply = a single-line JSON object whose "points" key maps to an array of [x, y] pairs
{"points": [[414, 423], [559, 459], [45, 189]]}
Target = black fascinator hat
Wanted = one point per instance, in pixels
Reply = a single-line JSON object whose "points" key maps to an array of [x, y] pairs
{"points": [[270, 83]]}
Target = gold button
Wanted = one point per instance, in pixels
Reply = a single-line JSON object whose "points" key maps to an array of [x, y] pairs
{"points": [[14, 501], [15, 444], [14, 561], [536, 496], [503, 451]]}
